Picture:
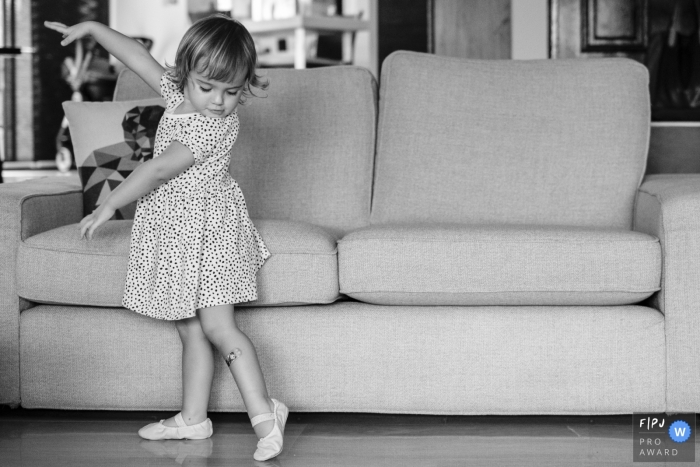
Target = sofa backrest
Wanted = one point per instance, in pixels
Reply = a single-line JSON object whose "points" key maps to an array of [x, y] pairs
{"points": [[305, 150], [508, 141], [130, 87]]}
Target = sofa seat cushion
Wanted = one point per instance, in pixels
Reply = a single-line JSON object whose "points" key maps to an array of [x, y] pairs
{"points": [[457, 264], [58, 267]]}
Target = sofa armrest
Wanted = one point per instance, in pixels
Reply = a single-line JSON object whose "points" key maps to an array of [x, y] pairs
{"points": [[26, 209], [668, 207]]}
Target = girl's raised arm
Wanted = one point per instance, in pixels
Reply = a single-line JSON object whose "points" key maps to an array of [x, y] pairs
{"points": [[127, 50]]}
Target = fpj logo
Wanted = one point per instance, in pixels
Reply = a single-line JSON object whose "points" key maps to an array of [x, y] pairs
{"points": [[664, 437]]}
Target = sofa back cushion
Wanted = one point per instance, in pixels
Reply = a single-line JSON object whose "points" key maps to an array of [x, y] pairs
{"points": [[503, 141], [130, 87], [305, 151]]}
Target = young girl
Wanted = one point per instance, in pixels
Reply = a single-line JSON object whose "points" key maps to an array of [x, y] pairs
{"points": [[194, 251]]}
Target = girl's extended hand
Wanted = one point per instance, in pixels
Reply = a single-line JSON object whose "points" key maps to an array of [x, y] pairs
{"points": [[70, 33], [99, 216]]}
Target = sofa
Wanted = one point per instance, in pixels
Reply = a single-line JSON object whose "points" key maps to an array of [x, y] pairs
{"points": [[461, 237]]}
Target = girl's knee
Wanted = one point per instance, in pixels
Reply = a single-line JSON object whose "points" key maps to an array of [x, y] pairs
{"points": [[217, 325], [189, 328], [218, 334]]}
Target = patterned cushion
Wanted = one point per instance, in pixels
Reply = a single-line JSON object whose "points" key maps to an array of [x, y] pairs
{"points": [[110, 140]]}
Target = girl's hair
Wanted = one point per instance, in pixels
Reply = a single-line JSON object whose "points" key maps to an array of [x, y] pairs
{"points": [[219, 47]]}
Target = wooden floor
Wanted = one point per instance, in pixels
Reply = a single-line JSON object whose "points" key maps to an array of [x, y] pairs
{"points": [[67, 438]]}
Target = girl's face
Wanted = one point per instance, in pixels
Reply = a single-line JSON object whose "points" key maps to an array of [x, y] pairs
{"points": [[213, 98]]}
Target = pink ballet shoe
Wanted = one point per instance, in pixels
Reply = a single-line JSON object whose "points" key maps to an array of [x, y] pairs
{"points": [[156, 431], [271, 445]]}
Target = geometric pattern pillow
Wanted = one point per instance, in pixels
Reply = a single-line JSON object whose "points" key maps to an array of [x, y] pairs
{"points": [[110, 139], [105, 168]]}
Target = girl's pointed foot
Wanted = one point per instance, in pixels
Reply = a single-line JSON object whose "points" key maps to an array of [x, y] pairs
{"points": [[271, 445], [157, 431]]}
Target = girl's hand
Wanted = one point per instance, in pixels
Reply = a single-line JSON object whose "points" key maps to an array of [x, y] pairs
{"points": [[70, 33], [99, 216]]}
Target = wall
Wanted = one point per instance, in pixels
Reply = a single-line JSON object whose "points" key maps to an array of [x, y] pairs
{"points": [[530, 29], [138, 18], [365, 55], [529, 22], [163, 21], [476, 29]]}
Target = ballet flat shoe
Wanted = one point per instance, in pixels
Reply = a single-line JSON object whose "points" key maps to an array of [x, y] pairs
{"points": [[271, 445], [157, 431]]}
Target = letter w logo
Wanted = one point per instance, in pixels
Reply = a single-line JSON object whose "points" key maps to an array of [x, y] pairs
{"points": [[680, 431]]}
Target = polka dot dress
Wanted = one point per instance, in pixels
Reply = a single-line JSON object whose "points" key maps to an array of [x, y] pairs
{"points": [[193, 245]]}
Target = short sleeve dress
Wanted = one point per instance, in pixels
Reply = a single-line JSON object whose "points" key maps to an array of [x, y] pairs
{"points": [[192, 243]]}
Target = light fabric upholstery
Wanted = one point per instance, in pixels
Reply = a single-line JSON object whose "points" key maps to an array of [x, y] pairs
{"points": [[455, 264], [26, 209], [669, 208], [360, 357], [357, 357], [305, 150], [558, 142], [130, 87], [59, 267]]}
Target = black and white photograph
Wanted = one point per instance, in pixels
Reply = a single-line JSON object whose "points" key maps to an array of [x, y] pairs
{"points": [[353, 233]]}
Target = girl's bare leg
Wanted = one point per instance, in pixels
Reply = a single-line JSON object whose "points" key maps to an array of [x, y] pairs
{"points": [[220, 328], [197, 372]]}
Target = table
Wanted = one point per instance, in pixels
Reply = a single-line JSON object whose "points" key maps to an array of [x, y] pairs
{"points": [[301, 24]]}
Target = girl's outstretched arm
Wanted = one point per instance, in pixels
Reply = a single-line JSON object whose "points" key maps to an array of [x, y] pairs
{"points": [[127, 50], [151, 174]]}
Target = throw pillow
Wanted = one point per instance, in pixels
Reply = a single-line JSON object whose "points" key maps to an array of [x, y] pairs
{"points": [[110, 139]]}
